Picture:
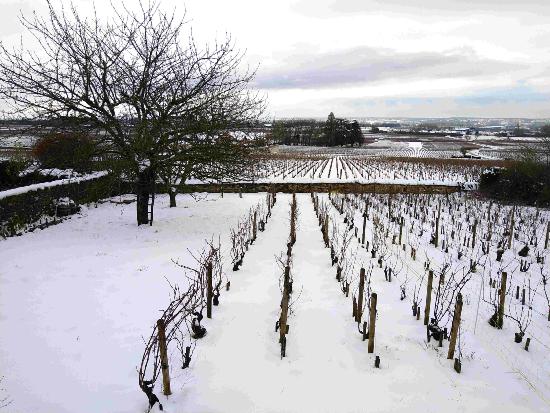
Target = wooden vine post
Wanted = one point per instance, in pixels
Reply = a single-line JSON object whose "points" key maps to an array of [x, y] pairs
{"points": [[284, 312], [474, 230], [372, 322], [455, 326], [436, 240], [428, 298], [325, 231], [359, 312], [209, 290], [511, 234], [364, 226], [547, 235], [293, 219], [255, 226], [500, 320], [163, 350], [401, 229]]}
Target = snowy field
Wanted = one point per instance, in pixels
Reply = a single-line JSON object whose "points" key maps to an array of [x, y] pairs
{"points": [[77, 299]]}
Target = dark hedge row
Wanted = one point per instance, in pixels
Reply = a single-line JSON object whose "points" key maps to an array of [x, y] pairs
{"points": [[525, 182], [19, 211]]}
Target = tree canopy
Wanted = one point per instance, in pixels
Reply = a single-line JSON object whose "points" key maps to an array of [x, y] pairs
{"points": [[152, 100]]}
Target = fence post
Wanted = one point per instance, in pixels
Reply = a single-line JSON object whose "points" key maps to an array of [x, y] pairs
{"points": [[502, 300], [428, 298], [474, 230], [161, 327], [401, 229], [372, 322], [510, 236], [209, 292], [359, 312], [364, 226], [284, 312], [455, 326], [436, 240], [255, 226]]}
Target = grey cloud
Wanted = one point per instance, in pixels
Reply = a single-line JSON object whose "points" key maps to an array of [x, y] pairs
{"points": [[458, 106], [367, 65]]}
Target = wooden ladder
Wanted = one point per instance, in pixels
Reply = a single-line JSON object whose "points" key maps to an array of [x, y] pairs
{"points": [[150, 206]]}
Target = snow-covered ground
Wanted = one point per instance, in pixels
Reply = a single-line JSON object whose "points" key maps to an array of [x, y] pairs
{"points": [[77, 298]]}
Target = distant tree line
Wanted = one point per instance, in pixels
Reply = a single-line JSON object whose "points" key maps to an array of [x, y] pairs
{"points": [[309, 132]]}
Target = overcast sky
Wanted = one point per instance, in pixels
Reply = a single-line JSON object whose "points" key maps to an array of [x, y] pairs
{"points": [[383, 58]]}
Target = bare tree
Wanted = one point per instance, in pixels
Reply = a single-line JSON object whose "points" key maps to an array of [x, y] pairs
{"points": [[149, 97]]}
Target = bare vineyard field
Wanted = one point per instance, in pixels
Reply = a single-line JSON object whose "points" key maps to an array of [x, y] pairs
{"points": [[360, 169], [348, 275]]}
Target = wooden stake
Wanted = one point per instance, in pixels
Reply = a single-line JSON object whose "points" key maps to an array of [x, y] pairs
{"points": [[293, 220], [372, 322], [455, 326], [364, 226], [547, 235], [209, 290], [510, 236], [359, 312], [436, 241], [474, 229], [428, 298], [500, 320], [254, 226], [161, 331], [284, 308], [401, 230]]}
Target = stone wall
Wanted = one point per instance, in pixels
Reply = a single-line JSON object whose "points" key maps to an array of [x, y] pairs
{"points": [[19, 211], [348, 187]]}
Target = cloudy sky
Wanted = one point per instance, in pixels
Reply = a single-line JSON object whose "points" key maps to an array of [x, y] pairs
{"points": [[383, 58]]}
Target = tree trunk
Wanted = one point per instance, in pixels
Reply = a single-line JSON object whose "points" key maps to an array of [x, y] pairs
{"points": [[172, 195], [143, 192]]}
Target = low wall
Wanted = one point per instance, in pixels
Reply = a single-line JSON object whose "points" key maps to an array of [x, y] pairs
{"points": [[17, 212], [347, 187]]}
